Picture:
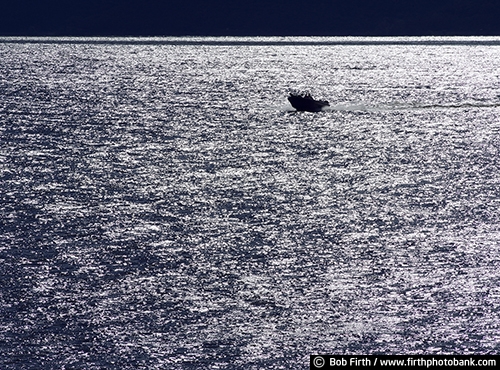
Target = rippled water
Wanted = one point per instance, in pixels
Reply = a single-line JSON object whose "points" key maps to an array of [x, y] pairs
{"points": [[162, 207]]}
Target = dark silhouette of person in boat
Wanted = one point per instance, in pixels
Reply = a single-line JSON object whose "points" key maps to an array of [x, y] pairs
{"points": [[303, 101]]}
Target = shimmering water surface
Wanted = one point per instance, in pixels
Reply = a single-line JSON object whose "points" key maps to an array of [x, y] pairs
{"points": [[162, 207]]}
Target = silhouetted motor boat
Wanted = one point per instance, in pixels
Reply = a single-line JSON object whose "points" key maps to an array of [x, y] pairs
{"points": [[305, 102]]}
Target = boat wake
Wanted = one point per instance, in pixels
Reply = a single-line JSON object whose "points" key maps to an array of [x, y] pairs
{"points": [[367, 107]]}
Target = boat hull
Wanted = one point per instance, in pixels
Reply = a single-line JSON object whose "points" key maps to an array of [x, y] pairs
{"points": [[306, 103]]}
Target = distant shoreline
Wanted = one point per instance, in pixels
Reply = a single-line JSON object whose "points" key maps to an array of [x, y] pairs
{"points": [[259, 40]]}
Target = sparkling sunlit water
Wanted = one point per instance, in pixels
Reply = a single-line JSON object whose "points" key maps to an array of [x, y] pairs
{"points": [[161, 207]]}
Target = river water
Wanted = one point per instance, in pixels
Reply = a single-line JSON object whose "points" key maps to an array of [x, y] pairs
{"points": [[163, 207]]}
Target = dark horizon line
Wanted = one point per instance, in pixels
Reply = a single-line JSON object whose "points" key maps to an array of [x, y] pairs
{"points": [[219, 34], [238, 40]]}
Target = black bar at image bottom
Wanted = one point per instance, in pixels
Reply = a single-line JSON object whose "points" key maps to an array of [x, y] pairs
{"points": [[399, 361]]}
